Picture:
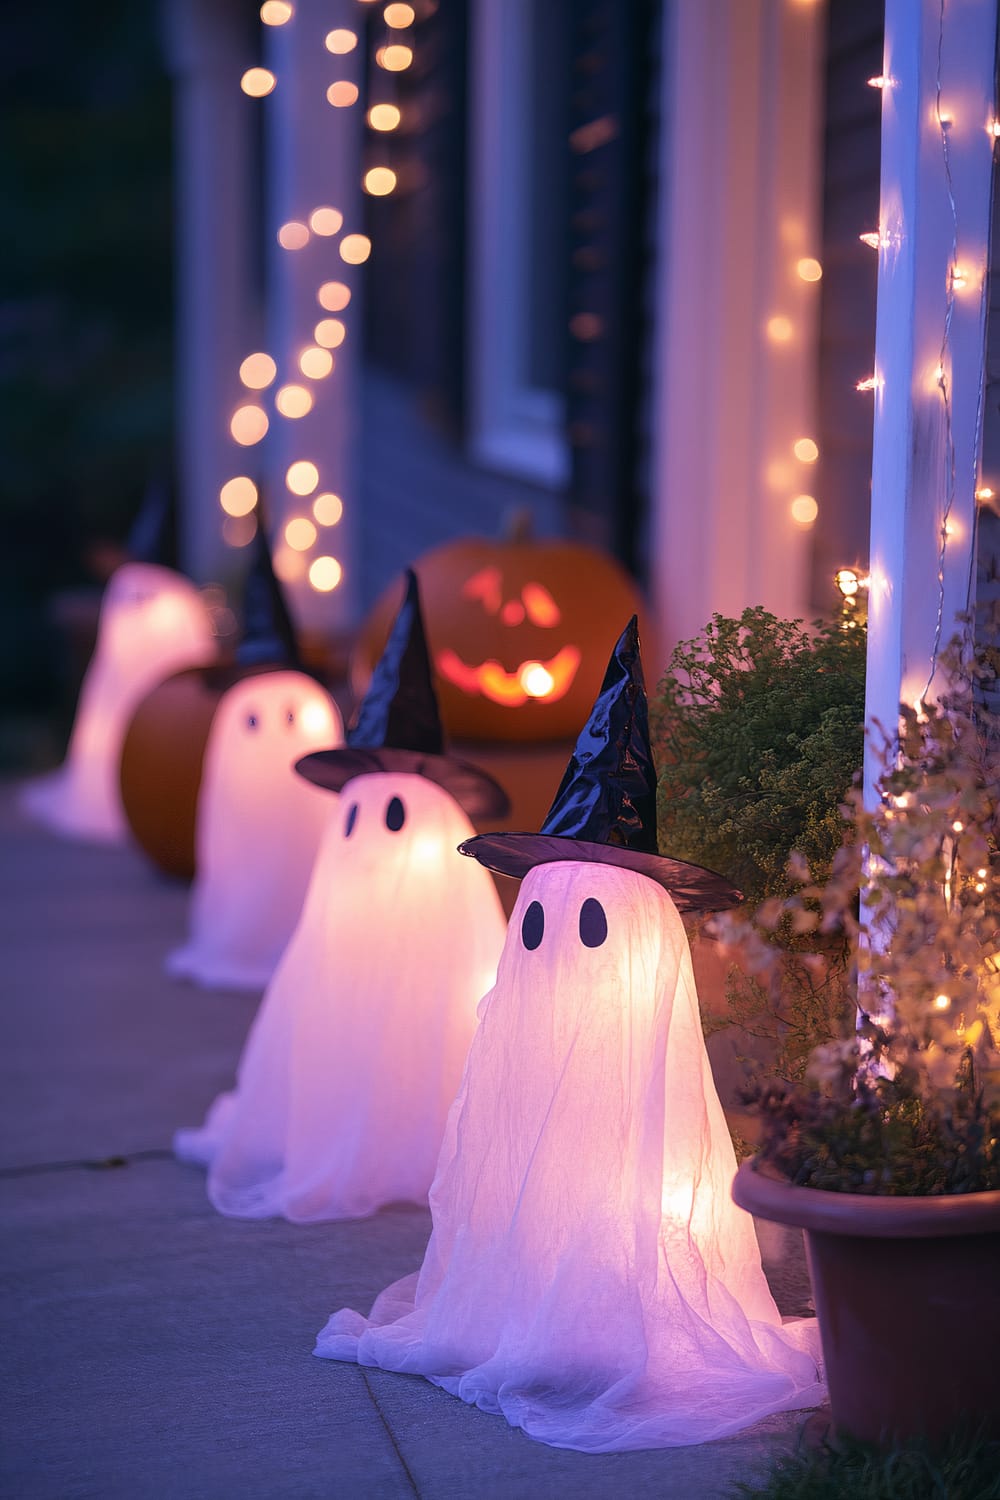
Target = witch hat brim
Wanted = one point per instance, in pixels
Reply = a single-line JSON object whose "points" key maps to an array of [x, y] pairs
{"points": [[477, 794], [691, 887], [398, 726], [605, 808]]}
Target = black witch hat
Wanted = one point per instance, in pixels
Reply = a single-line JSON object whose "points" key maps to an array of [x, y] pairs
{"points": [[267, 636], [398, 726], [153, 534], [605, 809]]}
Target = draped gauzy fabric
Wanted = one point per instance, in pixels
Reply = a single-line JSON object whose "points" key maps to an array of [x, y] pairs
{"points": [[588, 1276], [344, 1084], [153, 622], [258, 829]]}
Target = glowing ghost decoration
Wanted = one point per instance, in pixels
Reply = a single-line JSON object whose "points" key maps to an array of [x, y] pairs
{"points": [[258, 828], [153, 622], [350, 1067], [588, 1276]]}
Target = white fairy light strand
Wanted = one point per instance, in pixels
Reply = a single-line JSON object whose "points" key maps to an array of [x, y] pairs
{"points": [[956, 278], [289, 398], [952, 478], [942, 369]]}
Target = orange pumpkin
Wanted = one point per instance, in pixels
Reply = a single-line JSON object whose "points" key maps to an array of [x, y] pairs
{"points": [[519, 631], [162, 759], [161, 764]]}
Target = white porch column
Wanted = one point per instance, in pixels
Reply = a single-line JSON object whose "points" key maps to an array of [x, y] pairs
{"points": [[314, 161], [737, 316], [205, 43], [937, 161]]}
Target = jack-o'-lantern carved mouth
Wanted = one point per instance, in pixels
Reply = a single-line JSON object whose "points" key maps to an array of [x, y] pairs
{"points": [[545, 680]]}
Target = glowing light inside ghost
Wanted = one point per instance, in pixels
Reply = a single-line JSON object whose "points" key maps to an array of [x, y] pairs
{"points": [[588, 1276], [258, 829], [153, 622], [357, 1050]]}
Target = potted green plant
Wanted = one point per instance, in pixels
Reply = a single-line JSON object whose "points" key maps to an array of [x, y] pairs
{"points": [[887, 1153]]}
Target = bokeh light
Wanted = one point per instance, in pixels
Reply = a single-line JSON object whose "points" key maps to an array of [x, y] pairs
{"points": [[355, 249], [293, 235], [334, 296], [804, 510], [257, 82], [379, 181], [248, 424], [293, 400], [300, 534], [238, 496], [340, 41], [275, 12], [384, 117], [341, 94], [302, 477], [326, 220], [325, 573], [395, 58], [238, 531], [257, 371], [328, 508], [330, 333], [316, 363]]}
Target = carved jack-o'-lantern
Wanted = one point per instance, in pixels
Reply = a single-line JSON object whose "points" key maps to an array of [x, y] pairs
{"points": [[518, 631]]}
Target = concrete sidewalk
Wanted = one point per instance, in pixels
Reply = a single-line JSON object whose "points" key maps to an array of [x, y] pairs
{"points": [[153, 1349]]}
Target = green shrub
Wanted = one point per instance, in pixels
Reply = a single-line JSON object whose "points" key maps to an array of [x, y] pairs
{"points": [[757, 727]]}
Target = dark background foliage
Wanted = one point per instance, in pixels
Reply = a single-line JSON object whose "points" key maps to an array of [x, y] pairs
{"points": [[85, 310]]}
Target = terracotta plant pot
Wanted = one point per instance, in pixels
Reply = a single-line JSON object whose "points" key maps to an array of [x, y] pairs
{"points": [[905, 1293]]}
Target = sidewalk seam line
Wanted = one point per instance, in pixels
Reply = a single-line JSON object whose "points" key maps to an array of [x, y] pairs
{"points": [[391, 1435]]}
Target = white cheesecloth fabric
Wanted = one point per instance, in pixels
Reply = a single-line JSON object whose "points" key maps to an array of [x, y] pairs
{"points": [[346, 1078], [588, 1276]]}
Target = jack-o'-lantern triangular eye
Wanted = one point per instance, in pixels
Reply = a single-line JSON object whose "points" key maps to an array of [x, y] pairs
{"points": [[485, 585], [542, 608]]}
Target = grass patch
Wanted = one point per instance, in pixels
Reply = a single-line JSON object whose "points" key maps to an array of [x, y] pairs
{"points": [[962, 1468]]}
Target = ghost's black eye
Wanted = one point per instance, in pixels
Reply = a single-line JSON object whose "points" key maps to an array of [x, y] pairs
{"points": [[533, 925], [289, 716], [252, 721], [593, 923], [395, 815], [350, 820]]}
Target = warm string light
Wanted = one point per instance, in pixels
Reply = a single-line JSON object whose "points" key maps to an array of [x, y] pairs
{"points": [[850, 582], [326, 221], [327, 509], [258, 372], [393, 56], [852, 586], [249, 422], [316, 363], [958, 280], [257, 83], [944, 123]]}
